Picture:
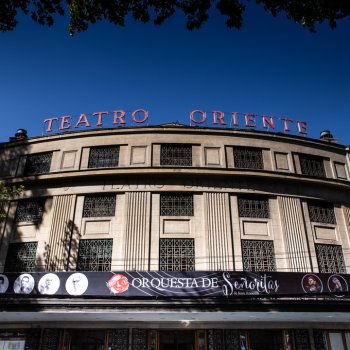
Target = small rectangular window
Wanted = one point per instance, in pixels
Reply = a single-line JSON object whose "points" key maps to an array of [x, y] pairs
{"points": [[176, 254], [39, 163], [21, 257], [99, 206], [176, 155], [104, 157], [95, 255], [248, 158], [253, 207], [30, 210], [330, 258], [258, 255], [176, 204], [312, 166]]}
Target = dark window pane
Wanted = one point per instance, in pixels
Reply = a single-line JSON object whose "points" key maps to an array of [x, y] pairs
{"points": [[21, 257], [95, 255], [312, 166], [104, 157], [30, 210], [330, 258], [176, 204], [176, 254], [252, 207], [258, 255], [248, 158], [322, 212], [97, 206], [176, 155], [39, 163]]}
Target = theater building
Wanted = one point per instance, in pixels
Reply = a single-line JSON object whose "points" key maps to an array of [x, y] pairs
{"points": [[174, 237]]}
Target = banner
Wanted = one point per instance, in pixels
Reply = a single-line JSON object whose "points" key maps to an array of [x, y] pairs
{"points": [[150, 284]]}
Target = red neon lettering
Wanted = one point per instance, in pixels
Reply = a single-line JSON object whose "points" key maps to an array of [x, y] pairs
{"points": [[250, 118], [286, 120], [65, 124], [204, 117], [99, 118], [82, 119], [49, 125], [219, 116], [268, 122], [234, 118], [119, 117], [302, 127], [134, 113]]}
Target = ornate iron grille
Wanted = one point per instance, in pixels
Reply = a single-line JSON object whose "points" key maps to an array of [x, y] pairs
{"points": [[139, 339], [320, 339], [312, 166], [176, 254], [104, 157], [253, 207], [215, 339], [30, 210], [39, 163], [118, 339], [21, 257], [248, 158], [176, 204], [233, 339], [258, 255], [97, 206], [177, 155], [50, 339], [330, 258], [322, 212], [95, 255], [301, 339]]}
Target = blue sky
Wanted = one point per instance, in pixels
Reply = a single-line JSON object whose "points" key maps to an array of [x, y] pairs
{"points": [[270, 66]]}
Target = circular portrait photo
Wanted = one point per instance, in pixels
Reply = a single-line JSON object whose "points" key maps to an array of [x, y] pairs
{"points": [[4, 284], [337, 284], [49, 284], [311, 284], [24, 284], [77, 284]]}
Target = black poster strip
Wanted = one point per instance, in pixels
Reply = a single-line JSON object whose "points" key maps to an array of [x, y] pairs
{"points": [[134, 284]]}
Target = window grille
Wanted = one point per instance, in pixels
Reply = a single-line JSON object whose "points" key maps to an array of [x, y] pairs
{"points": [[39, 163], [330, 258], [97, 206], [312, 166], [95, 255], [248, 158], [301, 339], [104, 157], [176, 204], [322, 212], [258, 255], [176, 254], [118, 339], [250, 207], [176, 155], [50, 339], [30, 210], [139, 339], [21, 257], [320, 338]]}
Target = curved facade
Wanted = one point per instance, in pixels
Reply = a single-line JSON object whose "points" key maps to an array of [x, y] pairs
{"points": [[177, 201]]}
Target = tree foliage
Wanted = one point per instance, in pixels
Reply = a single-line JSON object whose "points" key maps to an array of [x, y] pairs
{"points": [[82, 13], [6, 192]]}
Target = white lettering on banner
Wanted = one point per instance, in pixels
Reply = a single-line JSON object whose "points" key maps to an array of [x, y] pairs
{"points": [[250, 285]]}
